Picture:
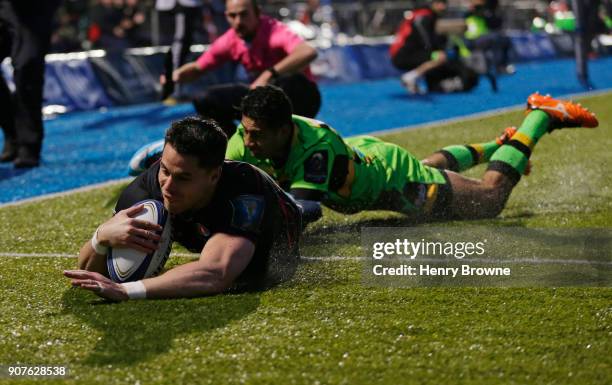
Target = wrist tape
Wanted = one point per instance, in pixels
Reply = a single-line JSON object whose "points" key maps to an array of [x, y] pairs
{"points": [[95, 244], [135, 290]]}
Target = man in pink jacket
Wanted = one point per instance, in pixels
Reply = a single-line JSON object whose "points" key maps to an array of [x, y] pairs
{"points": [[271, 54]]}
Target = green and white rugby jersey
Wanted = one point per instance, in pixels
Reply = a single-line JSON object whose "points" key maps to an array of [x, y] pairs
{"points": [[358, 173]]}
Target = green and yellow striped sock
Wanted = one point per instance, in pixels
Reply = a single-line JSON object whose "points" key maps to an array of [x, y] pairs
{"points": [[461, 158], [512, 158]]}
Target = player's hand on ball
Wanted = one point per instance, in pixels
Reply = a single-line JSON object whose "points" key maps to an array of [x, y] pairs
{"points": [[122, 230], [97, 283]]}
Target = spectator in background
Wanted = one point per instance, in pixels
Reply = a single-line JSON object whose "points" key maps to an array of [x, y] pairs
{"points": [[134, 18], [318, 12], [420, 51], [588, 25], [187, 14], [105, 30], [319, 19], [268, 50], [211, 30], [216, 10], [66, 37], [483, 34], [606, 15], [25, 37]]}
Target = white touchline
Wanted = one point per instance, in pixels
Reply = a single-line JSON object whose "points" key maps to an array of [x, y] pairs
{"points": [[66, 255], [479, 260], [346, 258]]}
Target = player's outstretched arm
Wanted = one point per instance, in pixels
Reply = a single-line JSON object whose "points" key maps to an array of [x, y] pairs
{"points": [[222, 260], [186, 73], [122, 230], [302, 55]]}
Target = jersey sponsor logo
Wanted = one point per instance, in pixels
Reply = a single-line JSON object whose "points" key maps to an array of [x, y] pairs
{"points": [[315, 167], [248, 212]]}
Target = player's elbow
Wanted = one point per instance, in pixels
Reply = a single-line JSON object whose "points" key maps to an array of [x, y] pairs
{"points": [[305, 52], [311, 53]]}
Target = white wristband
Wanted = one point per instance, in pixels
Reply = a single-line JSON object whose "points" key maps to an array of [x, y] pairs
{"points": [[135, 290], [98, 248]]}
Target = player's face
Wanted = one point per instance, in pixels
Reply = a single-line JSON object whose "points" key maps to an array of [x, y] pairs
{"points": [[185, 185], [262, 141], [242, 17]]}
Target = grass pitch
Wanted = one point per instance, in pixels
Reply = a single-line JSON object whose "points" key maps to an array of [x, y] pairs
{"points": [[324, 326]]}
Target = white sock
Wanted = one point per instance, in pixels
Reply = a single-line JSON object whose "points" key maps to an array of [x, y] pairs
{"points": [[410, 77]]}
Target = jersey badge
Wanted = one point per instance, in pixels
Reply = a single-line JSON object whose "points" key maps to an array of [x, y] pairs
{"points": [[248, 212], [315, 167]]}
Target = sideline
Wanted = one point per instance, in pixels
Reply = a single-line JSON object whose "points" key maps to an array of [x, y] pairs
{"points": [[337, 258], [65, 193]]}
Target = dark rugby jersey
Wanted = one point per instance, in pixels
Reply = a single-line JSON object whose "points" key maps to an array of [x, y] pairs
{"points": [[247, 203]]}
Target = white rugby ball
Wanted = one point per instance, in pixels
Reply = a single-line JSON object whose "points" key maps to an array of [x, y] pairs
{"points": [[126, 265]]}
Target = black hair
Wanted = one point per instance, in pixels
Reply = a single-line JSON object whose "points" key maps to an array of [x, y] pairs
{"points": [[201, 138], [269, 105]]}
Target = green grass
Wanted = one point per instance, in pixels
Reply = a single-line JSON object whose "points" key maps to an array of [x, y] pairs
{"points": [[324, 326]]}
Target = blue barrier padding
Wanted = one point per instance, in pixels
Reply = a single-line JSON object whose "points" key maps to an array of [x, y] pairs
{"points": [[74, 85], [124, 79], [531, 46], [375, 61], [334, 65], [84, 148], [353, 63], [127, 79]]}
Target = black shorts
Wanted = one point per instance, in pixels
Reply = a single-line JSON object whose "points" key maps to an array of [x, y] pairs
{"points": [[222, 102], [411, 55]]}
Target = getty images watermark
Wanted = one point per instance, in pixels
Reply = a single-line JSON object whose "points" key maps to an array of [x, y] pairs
{"points": [[483, 256], [426, 250]]}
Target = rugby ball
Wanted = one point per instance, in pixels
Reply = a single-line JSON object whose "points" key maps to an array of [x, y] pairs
{"points": [[126, 265]]}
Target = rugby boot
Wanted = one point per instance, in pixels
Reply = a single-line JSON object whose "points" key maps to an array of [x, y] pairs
{"points": [[9, 152], [145, 157], [562, 113], [27, 157]]}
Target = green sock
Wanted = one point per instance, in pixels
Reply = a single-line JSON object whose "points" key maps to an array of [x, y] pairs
{"points": [[461, 158], [512, 158]]}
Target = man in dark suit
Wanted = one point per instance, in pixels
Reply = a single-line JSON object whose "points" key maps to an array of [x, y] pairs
{"points": [[25, 34]]}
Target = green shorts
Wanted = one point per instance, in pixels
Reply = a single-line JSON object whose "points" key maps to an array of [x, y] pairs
{"points": [[410, 187]]}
